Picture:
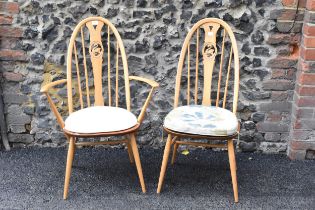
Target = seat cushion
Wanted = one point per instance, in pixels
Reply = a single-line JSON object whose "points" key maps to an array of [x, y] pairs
{"points": [[99, 119], [202, 120]]}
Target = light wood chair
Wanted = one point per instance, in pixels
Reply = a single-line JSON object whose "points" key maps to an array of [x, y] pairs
{"points": [[209, 49], [95, 84]]}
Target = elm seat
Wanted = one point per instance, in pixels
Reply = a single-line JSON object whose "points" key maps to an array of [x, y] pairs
{"points": [[202, 120], [100, 119]]}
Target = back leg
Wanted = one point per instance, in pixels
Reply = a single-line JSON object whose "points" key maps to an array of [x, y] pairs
{"points": [[174, 152]]}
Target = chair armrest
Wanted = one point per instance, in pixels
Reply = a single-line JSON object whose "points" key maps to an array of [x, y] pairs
{"points": [[148, 81], [147, 101], [53, 107], [46, 87]]}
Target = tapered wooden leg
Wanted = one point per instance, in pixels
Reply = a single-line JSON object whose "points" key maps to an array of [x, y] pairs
{"points": [[74, 147], [132, 160], [68, 167], [174, 152], [233, 169], [164, 162], [136, 156]]}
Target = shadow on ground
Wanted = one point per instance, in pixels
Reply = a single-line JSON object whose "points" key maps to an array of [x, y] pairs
{"points": [[104, 179]]}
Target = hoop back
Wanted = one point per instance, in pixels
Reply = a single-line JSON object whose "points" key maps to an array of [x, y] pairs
{"points": [[211, 39], [92, 40]]}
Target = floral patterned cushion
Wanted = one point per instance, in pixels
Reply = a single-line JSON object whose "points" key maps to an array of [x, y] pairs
{"points": [[202, 120]]}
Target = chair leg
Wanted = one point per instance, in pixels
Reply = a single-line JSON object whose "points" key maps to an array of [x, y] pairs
{"points": [[135, 151], [68, 167], [233, 169], [130, 154], [164, 162], [174, 152]]}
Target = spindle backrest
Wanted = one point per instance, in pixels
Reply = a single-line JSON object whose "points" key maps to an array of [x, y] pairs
{"points": [[92, 40], [211, 37]]}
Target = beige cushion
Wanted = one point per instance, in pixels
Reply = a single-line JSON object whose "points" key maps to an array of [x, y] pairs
{"points": [[202, 120], [99, 119]]}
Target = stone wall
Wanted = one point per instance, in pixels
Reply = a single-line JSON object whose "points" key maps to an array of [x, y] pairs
{"points": [[34, 37]]}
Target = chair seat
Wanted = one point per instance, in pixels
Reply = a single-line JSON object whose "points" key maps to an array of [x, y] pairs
{"points": [[100, 119], [202, 120]]}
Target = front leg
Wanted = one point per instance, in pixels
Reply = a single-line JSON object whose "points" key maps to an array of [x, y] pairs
{"points": [[69, 167], [164, 162], [135, 151]]}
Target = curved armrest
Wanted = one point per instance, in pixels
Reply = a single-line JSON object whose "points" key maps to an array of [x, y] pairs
{"points": [[146, 103], [53, 107], [46, 87], [148, 81]]}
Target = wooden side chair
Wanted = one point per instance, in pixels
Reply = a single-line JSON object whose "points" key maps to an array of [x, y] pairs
{"points": [[97, 76], [211, 41]]}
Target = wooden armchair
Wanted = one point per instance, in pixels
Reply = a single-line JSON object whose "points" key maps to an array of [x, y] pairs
{"points": [[212, 41], [96, 110]]}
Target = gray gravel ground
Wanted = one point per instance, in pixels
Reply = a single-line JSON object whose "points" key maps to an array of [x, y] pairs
{"points": [[104, 179]]}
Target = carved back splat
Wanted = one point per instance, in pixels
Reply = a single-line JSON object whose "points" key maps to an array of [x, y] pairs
{"points": [[209, 51], [92, 61], [96, 50], [210, 48]]}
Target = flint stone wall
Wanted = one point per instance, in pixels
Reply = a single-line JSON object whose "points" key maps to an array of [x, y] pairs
{"points": [[34, 45]]}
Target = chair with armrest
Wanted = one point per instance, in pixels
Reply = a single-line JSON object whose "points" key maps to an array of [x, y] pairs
{"points": [[98, 92]]}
